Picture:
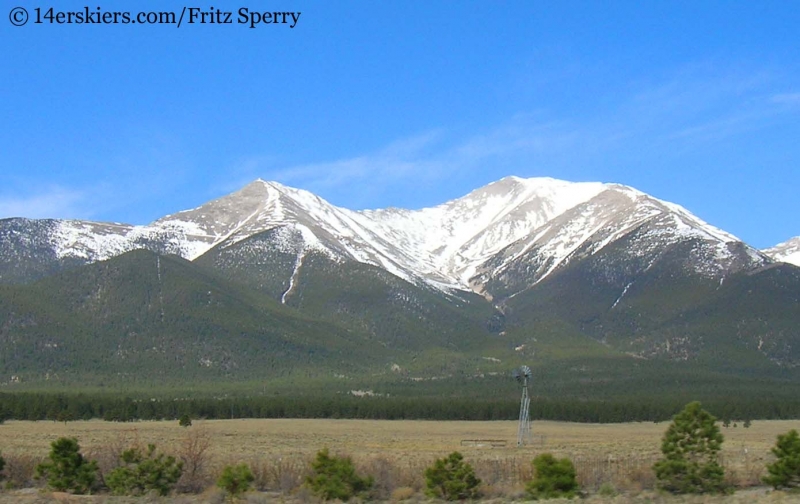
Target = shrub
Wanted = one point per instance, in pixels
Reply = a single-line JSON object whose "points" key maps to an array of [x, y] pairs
{"points": [[553, 478], [785, 471], [385, 475], [284, 474], [193, 452], [236, 480], [67, 470], [607, 490], [690, 447], [2, 465], [20, 470], [185, 421], [336, 478], [451, 479], [144, 472]]}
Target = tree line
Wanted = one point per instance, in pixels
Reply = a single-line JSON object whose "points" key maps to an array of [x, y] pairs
{"points": [[67, 407]]}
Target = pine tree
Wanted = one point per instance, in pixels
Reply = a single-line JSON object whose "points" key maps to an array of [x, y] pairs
{"points": [[553, 478], [451, 479], [142, 472], [336, 478], [67, 470], [785, 471], [236, 480], [691, 446]]}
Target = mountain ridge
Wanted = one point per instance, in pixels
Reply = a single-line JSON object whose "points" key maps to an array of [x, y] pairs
{"points": [[448, 246]]}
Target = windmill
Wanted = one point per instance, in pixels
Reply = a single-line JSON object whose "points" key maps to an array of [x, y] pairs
{"points": [[522, 375]]}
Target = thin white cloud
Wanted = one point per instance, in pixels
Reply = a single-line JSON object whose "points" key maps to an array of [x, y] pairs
{"points": [[366, 176], [691, 108], [720, 128], [694, 107], [787, 98], [141, 171], [52, 202]]}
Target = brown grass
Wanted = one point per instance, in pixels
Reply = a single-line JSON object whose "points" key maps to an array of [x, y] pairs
{"points": [[396, 453], [20, 469]]}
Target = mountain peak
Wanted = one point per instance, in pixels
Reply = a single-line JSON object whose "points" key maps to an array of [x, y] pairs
{"points": [[265, 183], [260, 184]]}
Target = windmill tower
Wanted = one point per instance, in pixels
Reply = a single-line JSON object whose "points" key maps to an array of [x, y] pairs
{"points": [[523, 374]]}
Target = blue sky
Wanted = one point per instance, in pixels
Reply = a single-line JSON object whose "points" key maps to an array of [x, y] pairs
{"points": [[407, 103]]}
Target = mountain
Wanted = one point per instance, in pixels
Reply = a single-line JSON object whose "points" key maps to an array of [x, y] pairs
{"points": [[462, 244], [145, 316], [599, 287], [788, 251]]}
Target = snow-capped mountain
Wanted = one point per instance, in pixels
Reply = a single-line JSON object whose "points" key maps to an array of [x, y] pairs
{"points": [[460, 244], [788, 251], [518, 269]]}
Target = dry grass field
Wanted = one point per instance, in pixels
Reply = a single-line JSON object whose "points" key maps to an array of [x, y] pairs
{"points": [[397, 452]]}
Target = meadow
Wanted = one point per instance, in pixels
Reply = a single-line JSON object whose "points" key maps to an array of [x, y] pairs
{"points": [[396, 453]]}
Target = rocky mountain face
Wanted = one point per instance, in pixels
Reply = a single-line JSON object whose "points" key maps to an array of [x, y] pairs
{"points": [[589, 276]]}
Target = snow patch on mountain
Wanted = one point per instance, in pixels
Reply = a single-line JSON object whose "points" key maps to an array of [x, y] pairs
{"points": [[89, 241], [298, 239], [788, 251], [94, 241], [456, 237]]}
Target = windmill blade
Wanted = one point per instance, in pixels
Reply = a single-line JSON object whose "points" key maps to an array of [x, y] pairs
{"points": [[526, 371], [517, 375]]}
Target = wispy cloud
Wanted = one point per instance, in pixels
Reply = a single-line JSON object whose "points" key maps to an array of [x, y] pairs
{"points": [[787, 98], [719, 128], [692, 109], [51, 202], [408, 166], [700, 105], [130, 179], [405, 157]]}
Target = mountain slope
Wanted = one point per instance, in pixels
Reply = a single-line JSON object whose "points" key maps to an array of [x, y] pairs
{"points": [[141, 316], [628, 232], [289, 264], [788, 251], [664, 310]]}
